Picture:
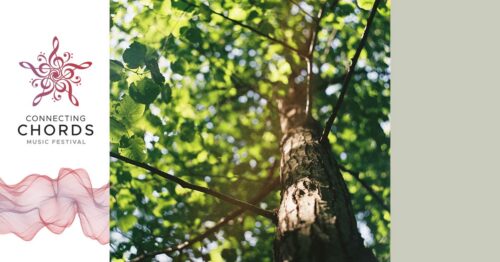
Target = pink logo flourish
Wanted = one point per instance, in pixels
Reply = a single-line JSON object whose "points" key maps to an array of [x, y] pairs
{"points": [[55, 74]]}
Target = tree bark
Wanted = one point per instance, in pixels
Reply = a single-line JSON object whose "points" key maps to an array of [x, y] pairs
{"points": [[315, 218]]}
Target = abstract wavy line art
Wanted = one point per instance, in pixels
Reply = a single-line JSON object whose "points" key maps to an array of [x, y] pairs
{"points": [[39, 201]]}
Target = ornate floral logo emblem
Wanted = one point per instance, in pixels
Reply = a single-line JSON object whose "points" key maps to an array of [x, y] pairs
{"points": [[55, 74]]}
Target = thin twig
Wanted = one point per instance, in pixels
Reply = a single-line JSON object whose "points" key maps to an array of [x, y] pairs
{"points": [[269, 185], [247, 27], [302, 9], [368, 188], [185, 184], [310, 52], [350, 72]]}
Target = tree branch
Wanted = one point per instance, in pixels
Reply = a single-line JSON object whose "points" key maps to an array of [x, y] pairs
{"points": [[185, 184], [368, 188], [270, 185], [350, 72], [247, 27], [302, 9], [310, 51]]}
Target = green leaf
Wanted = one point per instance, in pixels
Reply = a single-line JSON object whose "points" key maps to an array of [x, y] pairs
{"points": [[229, 254], [178, 67], [116, 70], [193, 34], [168, 43], [266, 28], [154, 120], [365, 4], [135, 55], [205, 10], [385, 10], [124, 142], [345, 8], [249, 223], [152, 66], [237, 13], [117, 130], [130, 111], [124, 177], [187, 131], [145, 91], [166, 94], [127, 222], [136, 149], [181, 5], [254, 14]]}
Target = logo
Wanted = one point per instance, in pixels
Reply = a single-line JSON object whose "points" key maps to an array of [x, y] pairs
{"points": [[55, 74]]}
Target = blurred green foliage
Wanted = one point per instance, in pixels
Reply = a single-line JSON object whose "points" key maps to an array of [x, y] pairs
{"points": [[195, 95]]}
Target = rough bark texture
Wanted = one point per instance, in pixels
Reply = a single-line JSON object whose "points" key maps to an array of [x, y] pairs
{"points": [[315, 218]]}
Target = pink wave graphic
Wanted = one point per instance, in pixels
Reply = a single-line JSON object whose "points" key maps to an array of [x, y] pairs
{"points": [[39, 201]]}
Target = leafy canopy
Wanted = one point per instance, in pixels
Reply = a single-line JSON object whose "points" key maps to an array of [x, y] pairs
{"points": [[194, 94]]}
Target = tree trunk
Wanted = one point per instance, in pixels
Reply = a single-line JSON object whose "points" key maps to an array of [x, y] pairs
{"points": [[315, 219]]}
